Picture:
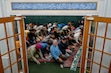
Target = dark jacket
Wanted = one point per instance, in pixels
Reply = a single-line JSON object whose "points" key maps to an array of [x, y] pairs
{"points": [[63, 47], [32, 38]]}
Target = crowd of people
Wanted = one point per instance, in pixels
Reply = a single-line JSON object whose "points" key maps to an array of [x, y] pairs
{"points": [[55, 40]]}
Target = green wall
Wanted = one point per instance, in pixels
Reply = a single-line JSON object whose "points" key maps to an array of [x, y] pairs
{"points": [[52, 19]]}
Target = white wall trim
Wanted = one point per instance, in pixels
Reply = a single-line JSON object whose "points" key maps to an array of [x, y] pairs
{"points": [[55, 12], [54, 0]]}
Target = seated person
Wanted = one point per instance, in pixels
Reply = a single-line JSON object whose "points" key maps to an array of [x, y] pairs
{"points": [[63, 46], [56, 53], [56, 32], [64, 33], [32, 36], [39, 38], [45, 39], [44, 31], [33, 52], [44, 48], [71, 40]]}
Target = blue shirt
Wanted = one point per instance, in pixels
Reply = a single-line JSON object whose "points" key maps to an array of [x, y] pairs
{"points": [[44, 45], [55, 52], [61, 25]]}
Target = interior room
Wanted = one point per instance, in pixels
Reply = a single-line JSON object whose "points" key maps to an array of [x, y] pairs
{"points": [[55, 36]]}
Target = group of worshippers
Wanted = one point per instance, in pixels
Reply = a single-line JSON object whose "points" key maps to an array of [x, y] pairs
{"points": [[57, 40]]}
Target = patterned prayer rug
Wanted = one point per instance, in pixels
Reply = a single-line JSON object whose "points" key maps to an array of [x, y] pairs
{"points": [[69, 61]]}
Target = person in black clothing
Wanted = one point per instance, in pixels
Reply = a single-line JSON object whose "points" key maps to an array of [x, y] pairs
{"points": [[56, 32], [32, 36], [63, 45]]}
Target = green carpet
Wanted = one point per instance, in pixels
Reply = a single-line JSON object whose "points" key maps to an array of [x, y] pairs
{"points": [[49, 68]]}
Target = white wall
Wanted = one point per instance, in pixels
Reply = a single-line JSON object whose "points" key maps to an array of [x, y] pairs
{"points": [[54, 12], [104, 8], [4, 8], [53, 0], [1, 8], [108, 8]]}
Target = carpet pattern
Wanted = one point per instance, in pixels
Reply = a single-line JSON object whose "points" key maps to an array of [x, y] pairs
{"points": [[76, 59], [51, 60], [69, 61]]}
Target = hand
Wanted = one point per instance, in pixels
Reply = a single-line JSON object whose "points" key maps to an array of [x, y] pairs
{"points": [[43, 58], [62, 55], [60, 60], [37, 62]]}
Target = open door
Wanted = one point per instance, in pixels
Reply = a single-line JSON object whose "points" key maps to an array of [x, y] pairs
{"points": [[96, 51], [12, 45]]}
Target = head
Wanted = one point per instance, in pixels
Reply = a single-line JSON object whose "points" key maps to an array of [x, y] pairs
{"points": [[56, 23], [56, 28], [55, 42], [38, 46], [70, 23], [64, 40], [48, 48], [31, 25], [49, 42], [27, 25], [32, 30], [73, 27], [52, 35], [44, 28]]}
